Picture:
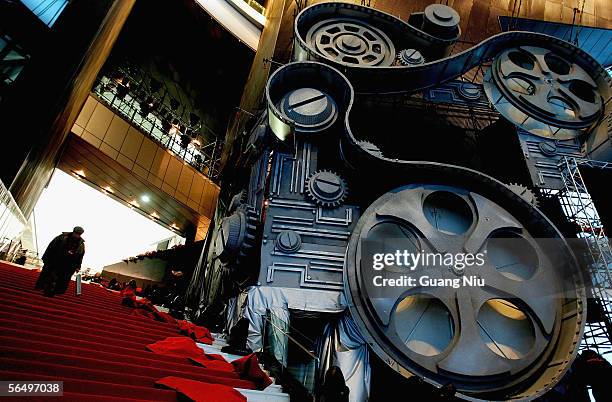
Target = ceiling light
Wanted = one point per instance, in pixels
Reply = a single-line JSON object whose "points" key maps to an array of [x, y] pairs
{"points": [[80, 173], [108, 189], [145, 198]]}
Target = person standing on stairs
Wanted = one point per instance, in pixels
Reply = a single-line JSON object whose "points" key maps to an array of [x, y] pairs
{"points": [[62, 258]]}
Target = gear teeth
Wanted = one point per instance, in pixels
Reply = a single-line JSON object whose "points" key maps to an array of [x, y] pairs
{"points": [[319, 196], [244, 235], [525, 193], [370, 147]]}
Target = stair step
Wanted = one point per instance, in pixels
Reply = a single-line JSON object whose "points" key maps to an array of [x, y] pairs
{"points": [[263, 396], [95, 345]]}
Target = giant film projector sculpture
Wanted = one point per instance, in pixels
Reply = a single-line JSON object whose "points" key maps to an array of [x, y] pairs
{"points": [[316, 189]]}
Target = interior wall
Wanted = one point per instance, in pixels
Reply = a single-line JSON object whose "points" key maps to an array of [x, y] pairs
{"points": [[115, 137], [149, 269]]}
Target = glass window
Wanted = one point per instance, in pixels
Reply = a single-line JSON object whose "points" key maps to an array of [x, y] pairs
{"points": [[12, 60], [46, 10]]}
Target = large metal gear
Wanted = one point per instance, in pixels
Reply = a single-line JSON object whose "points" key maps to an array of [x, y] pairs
{"points": [[513, 340], [326, 189], [236, 236], [543, 92], [512, 337], [351, 42], [525, 193]]}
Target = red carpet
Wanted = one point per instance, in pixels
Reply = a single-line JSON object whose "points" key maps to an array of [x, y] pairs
{"points": [[91, 342], [201, 392]]}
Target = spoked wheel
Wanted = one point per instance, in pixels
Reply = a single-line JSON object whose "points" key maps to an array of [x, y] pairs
{"points": [[543, 92], [490, 339], [351, 42]]}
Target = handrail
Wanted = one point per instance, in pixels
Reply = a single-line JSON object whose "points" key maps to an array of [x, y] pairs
{"points": [[12, 220]]}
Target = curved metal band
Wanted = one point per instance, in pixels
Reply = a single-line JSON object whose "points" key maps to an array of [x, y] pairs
{"points": [[389, 80]]}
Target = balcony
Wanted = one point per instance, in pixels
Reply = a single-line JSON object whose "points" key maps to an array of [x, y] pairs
{"points": [[144, 103]]}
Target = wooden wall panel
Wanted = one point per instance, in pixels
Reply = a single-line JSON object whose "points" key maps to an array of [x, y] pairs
{"points": [[116, 138]]}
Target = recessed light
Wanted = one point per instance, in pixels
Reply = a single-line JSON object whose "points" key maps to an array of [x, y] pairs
{"points": [[145, 198]]}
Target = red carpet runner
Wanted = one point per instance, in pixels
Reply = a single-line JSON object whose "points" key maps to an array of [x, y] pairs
{"points": [[91, 342]]}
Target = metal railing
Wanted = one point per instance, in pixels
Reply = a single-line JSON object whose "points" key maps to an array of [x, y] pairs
{"points": [[12, 225], [158, 120], [579, 208]]}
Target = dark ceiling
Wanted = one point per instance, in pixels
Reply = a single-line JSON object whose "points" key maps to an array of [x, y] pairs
{"points": [[183, 44]]}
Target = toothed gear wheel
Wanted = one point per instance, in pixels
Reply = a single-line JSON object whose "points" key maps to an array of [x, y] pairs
{"points": [[236, 236], [409, 57], [372, 148], [326, 188], [525, 193]]}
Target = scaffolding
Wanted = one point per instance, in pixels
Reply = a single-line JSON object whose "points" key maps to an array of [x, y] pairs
{"points": [[580, 209]]}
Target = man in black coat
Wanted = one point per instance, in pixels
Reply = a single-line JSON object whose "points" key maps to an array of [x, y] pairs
{"points": [[62, 258]]}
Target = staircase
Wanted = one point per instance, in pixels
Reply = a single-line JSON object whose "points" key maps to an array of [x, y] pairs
{"points": [[273, 393], [93, 344]]}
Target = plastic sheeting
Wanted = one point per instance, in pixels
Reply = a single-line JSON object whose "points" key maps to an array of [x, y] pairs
{"points": [[234, 309], [343, 346], [278, 301]]}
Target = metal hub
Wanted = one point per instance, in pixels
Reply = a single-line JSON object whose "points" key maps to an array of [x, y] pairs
{"points": [[288, 241], [310, 109], [542, 92], [441, 20], [410, 57], [351, 42], [442, 14], [487, 340], [548, 148], [470, 91]]}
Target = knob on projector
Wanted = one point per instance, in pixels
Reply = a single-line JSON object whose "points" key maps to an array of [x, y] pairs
{"points": [[310, 109], [409, 57], [326, 188], [441, 21]]}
